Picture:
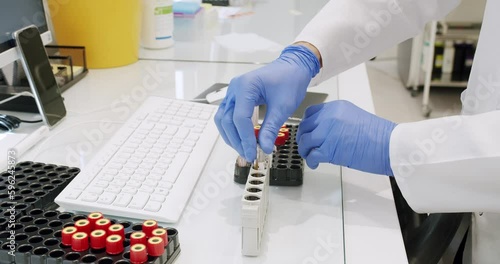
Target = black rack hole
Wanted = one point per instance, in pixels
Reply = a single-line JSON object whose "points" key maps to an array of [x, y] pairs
{"points": [[283, 156], [16, 226], [255, 182], [30, 199], [281, 166], [73, 256], [98, 251], [78, 217], [6, 174], [137, 228], [127, 235], [44, 179], [28, 171], [26, 219], [68, 224], [89, 259], [61, 168], [55, 223], [31, 178], [4, 195], [3, 187], [57, 253], [257, 175], [40, 172], [39, 193], [151, 258], [295, 167], [21, 206], [65, 176], [252, 198], [106, 261], [45, 231], [24, 248], [30, 229], [22, 184], [49, 167], [56, 182], [17, 198], [50, 214], [126, 255], [41, 221], [126, 224], [37, 165], [20, 176], [7, 246], [24, 164], [296, 162], [64, 216], [58, 233], [74, 170], [123, 261], [6, 204], [295, 147], [254, 190], [284, 151], [40, 251], [296, 157], [52, 174], [295, 152], [35, 239], [51, 242], [21, 237], [26, 191], [283, 161], [47, 187], [285, 147], [126, 243]]}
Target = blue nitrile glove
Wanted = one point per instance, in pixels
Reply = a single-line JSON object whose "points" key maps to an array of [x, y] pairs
{"points": [[341, 133], [281, 85]]}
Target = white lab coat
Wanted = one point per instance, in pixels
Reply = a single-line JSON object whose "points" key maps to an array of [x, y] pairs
{"points": [[447, 164]]}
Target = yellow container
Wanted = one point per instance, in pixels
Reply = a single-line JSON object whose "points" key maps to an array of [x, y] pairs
{"points": [[109, 29]]}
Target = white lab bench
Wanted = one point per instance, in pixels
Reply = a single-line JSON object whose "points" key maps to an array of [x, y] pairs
{"points": [[337, 216]]}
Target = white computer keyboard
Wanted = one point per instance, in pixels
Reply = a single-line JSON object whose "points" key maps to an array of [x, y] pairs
{"points": [[150, 166]]}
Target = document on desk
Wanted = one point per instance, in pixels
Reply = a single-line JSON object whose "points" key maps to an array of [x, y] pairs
{"points": [[8, 141]]}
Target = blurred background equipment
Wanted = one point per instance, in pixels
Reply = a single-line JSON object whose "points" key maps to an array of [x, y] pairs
{"points": [[108, 30]]}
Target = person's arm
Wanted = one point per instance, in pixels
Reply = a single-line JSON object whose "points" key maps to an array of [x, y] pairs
{"points": [[449, 164], [348, 32]]}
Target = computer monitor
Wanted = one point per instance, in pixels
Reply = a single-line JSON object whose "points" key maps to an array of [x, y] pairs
{"points": [[17, 14]]}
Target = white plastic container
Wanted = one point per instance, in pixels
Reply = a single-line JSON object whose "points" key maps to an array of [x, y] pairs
{"points": [[157, 24]]}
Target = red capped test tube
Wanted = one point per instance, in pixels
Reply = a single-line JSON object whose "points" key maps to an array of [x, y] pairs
{"points": [[98, 239], [138, 238], [148, 226], [83, 225], [93, 217], [80, 241], [67, 234], [161, 232], [155, 246], [116, 229], [114, 245], [138, 254], [102, 224]]}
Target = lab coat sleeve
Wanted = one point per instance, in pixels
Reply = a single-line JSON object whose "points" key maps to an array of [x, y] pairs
{"points": [[349, 32], [449, 164]]}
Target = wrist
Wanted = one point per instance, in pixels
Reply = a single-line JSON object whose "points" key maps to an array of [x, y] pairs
{"points": [[303, 57], [312, 48]]}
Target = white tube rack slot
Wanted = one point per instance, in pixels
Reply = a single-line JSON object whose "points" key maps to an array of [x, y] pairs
{"points": [[255, 203]]}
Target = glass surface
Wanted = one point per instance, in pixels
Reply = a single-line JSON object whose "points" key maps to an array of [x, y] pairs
{"points": [[256, 34]]}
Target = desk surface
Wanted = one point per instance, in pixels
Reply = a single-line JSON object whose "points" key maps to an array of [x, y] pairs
{"points": [[257, 37], [302, 221]]}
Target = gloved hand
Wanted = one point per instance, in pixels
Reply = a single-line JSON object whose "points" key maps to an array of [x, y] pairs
{"points": [[281, 85], [341, 133]]}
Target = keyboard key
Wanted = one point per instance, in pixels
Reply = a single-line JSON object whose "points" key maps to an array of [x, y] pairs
{"points": [[123, 177], [114, 165], [162, 191], [154, 176], [106, 198], [146, 189], [165, 185], [105, 177], [171, 130], [157, 198], [73, 195], [122, 199], [204, 116], [117, 183], [96, 190], [150, 183], [153, 206], [126, 171], [129, 189], [186, 149], [102, 184], [193, 137], [131, 165], [89, 197], [134, 183], [159, 169], [176, 167], [111, 171], [113, 189], [139, 200], [182, 133], [81, 183]]}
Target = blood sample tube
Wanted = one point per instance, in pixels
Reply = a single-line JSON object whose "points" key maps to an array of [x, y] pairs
{"points": [[79, 241], [98, 239], [138, 254], [114, 245], [67, 234], [280, 140], [116, 229], [93, 217], [148, 226], [285, 131], [102, 224], [161, 232], [155, 246], [256, 130], [138, 238], [83, 225]]}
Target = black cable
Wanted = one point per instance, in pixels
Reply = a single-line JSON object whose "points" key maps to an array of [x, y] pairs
{"points": [[31, 121]]}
